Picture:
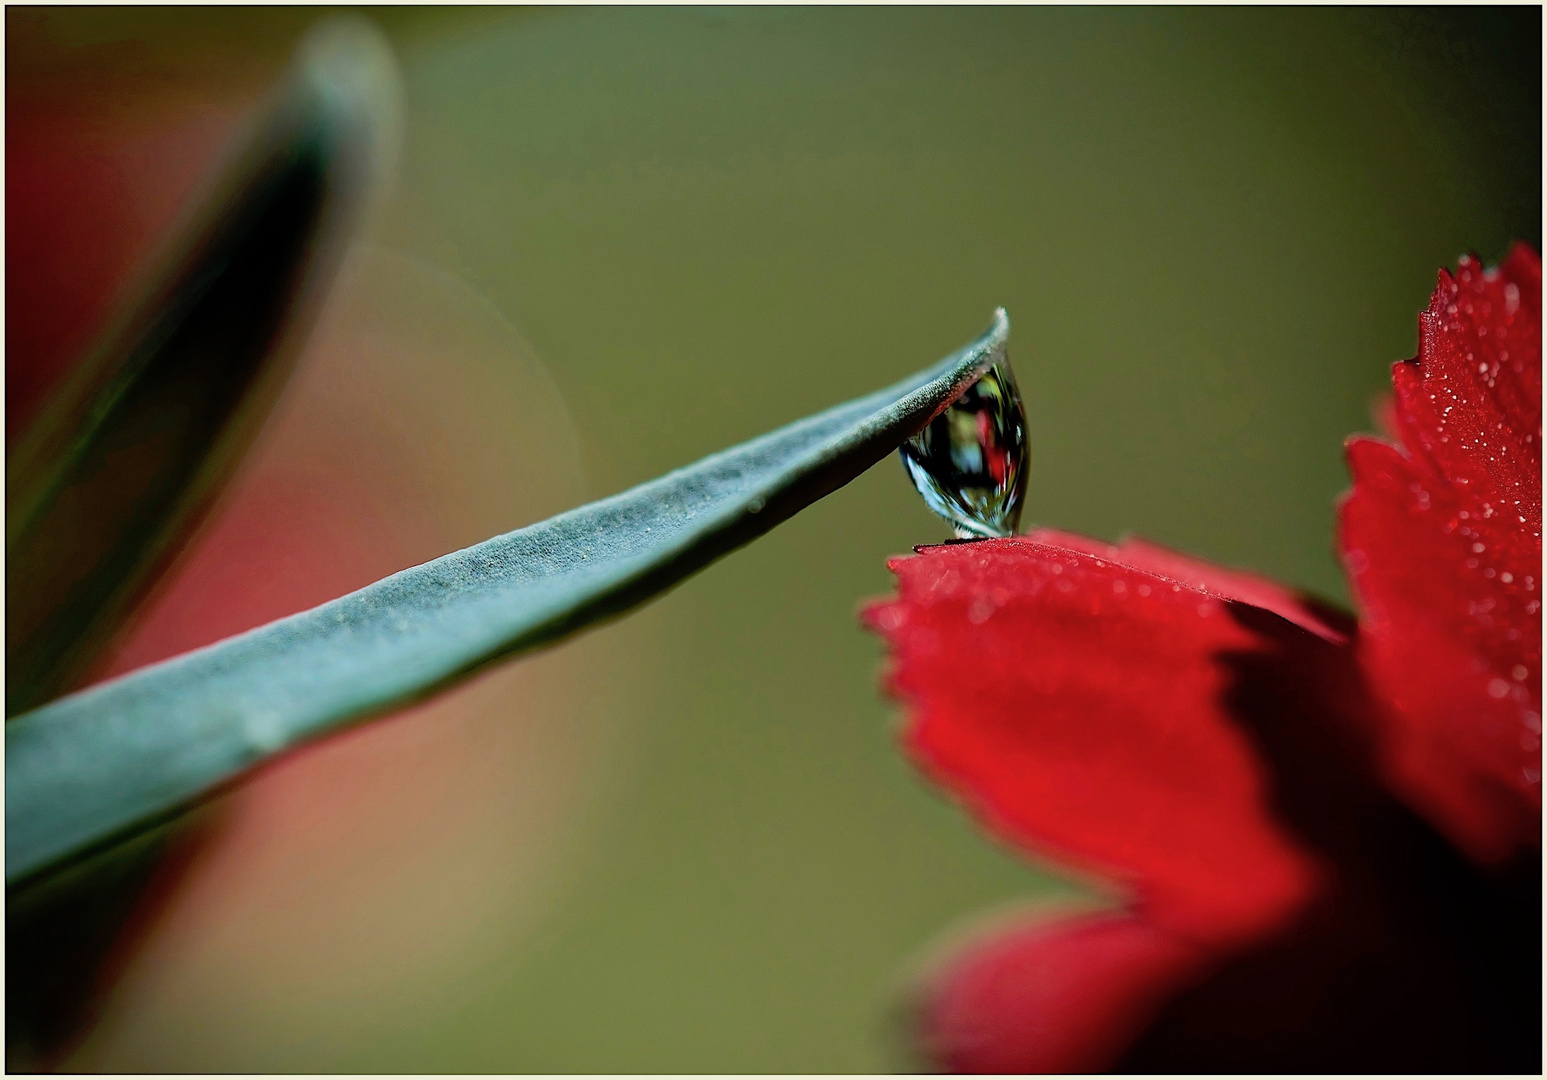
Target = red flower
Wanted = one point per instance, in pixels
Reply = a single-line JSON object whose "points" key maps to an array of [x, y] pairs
{"points": [[1327, 834]]}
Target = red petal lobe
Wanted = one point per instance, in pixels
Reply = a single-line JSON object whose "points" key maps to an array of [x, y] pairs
{"points": [[1052, 997], [1470, 403], [1452, 641], [1443, 551], [1078, 706]]}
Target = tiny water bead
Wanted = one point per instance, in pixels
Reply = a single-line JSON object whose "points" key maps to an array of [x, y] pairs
{"points": [[969, 463]]}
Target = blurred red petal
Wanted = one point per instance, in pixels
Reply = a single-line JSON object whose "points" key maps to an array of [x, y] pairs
{"points": [[1384, 412], [1443, 550], [1052, 996], [1078, 705], [90, 197]]}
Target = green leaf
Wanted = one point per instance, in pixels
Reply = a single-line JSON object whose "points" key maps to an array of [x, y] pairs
{"points": [[90, 768], [122, 463]]}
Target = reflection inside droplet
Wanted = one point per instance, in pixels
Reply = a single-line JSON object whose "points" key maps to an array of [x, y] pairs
{"points": [[969, 464]]}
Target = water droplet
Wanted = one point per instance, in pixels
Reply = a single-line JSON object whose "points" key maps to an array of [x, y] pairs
{"points": [[969, 464]]}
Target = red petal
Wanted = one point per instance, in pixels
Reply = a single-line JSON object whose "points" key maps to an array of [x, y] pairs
{"points": [[1384, 412], [1470, 404], [92, 187], [1452, 640], [1077, 705], [1217, 581], [1444, 553], [1052, 997]]}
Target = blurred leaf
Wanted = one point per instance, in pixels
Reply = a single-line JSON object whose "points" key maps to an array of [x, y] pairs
{"points": [[114, 759], [113, 477], [110, 481]]}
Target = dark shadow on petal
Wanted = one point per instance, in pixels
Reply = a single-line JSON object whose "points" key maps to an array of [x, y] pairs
{"points": [[1413, 960]]}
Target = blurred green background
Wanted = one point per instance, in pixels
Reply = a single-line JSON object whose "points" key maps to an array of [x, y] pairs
{"points": [[1213, 230]]}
